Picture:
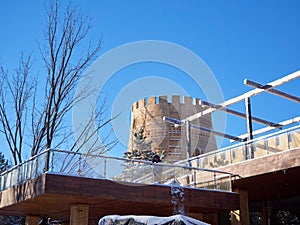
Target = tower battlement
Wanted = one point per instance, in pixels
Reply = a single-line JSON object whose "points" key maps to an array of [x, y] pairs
{"points": [[175, 100], [148, 113]]}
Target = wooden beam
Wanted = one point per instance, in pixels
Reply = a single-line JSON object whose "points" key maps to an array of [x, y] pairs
{"points": [[266, 129], [271, 90], [239, 114], [254, 92]]}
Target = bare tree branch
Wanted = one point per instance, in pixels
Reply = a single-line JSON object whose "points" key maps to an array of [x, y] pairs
{"points": [[16, 91], [64, 70], [38, 114]]}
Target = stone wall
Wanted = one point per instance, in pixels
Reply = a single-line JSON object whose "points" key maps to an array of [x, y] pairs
{"points": [[148, 114]]}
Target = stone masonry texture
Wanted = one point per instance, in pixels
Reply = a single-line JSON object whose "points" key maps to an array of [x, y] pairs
{"points": [[148, 114]]}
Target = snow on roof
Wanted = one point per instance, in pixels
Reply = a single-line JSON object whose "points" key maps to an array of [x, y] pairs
{"points": [[149, 220]]}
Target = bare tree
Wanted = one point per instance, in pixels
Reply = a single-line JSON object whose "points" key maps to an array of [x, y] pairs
{"points": [[65, 63], [15, 94], [66, 55]]}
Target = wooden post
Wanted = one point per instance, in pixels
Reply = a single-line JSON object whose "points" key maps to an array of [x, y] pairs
{"points": [[47, 166], [250, 153], [264, 213], [32, 220], [188, 140], [249, 118], [241, 216], [79, 214]]}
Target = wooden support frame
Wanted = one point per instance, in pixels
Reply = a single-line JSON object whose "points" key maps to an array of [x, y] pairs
{"points": [[239, 114], [259, 89], [251, 93], [266, 129], [271, 90]]}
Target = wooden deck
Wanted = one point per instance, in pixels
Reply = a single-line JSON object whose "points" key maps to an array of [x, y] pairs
{"points": [[52, 195], [271, 178]]}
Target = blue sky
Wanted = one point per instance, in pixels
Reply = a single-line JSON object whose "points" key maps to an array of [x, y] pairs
{"points": [[258, 40]]}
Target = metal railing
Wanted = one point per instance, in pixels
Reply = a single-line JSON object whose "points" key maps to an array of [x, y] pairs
{"points": [[284, 140], [118, 169]]}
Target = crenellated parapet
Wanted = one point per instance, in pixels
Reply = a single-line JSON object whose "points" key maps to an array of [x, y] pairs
{"points": [[148, 113], [175, 100]]}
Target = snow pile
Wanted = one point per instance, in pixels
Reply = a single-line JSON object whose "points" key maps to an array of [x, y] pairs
{"points": [[149, 220], [177, 193]]}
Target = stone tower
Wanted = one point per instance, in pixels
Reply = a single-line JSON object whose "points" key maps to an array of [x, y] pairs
{"points": [[148, 114]]}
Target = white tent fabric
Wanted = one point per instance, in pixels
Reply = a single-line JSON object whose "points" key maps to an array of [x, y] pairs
{"points": [[149, 220]]}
